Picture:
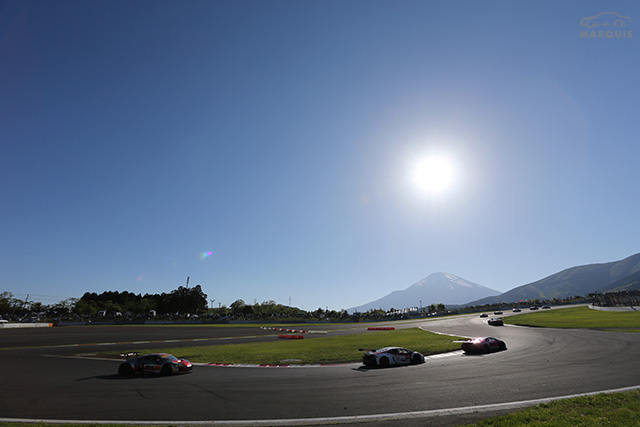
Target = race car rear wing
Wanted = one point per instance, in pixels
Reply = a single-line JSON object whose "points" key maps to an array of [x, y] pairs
{"points": [[130, 354]]}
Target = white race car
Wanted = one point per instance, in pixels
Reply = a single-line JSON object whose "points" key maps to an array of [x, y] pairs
{"points": [[391, 356]]}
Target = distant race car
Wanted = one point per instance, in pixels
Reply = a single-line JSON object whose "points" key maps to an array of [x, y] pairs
{"points": [[496, 321], [516, 310], [484, 315], [156, 363], [497, 312], [391, 356], [483, 345]]}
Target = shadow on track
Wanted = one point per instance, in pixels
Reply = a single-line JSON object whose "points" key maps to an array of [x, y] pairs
{"points": [[378, 368]]}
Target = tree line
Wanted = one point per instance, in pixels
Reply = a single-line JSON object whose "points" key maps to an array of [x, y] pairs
{"points": [[189, 302], [182, 302]]}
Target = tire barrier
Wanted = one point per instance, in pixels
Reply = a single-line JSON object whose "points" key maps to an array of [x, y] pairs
{"points": [[381, 329]]}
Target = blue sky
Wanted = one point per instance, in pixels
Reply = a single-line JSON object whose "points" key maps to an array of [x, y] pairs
{"points": [[137, 137]]}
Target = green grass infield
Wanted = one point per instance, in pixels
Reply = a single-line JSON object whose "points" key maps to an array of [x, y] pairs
{"points": [[612, 409], [579, 317], [324, 350]]}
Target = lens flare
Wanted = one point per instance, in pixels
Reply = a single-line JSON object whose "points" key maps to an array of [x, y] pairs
{"points": [[204, 255]]}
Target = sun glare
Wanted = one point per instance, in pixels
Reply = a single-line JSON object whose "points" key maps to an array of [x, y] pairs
{"points": [[433, 174]]}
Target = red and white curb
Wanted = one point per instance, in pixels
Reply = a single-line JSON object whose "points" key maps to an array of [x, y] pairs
{"points": [[295, 331], [322, 365], [283, 365]]}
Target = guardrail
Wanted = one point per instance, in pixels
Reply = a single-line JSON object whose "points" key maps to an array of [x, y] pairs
{"points": [[25, 325], [619, 308]]}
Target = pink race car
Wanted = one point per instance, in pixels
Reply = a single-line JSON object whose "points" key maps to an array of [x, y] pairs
{"points": [[483, 345]]}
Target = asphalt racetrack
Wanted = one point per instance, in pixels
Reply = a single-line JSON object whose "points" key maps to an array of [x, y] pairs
{"points": [[41, 380]]}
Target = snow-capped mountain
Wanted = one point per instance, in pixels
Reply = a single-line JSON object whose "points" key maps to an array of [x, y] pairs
{"points": [[437, 288]]}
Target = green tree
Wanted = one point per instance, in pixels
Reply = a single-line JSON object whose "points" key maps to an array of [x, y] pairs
{"points": [[7, 303], [237, 306], [65, 307], [86, 307]]}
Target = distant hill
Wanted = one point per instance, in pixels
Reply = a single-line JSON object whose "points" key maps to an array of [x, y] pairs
{"points": [[581, 280], [437, 288], [629, 283]]}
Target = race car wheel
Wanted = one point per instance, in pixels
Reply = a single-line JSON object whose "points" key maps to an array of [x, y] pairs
{"points": [[125, 369], [384, 362], [503, 346], [166, 369], [416, 359]]}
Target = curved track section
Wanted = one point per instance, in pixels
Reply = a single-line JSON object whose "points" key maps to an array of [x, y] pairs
{"points": [[539, 364]]}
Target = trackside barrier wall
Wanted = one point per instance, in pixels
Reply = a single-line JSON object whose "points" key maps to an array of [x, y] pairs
{"points": [[25, 325]]}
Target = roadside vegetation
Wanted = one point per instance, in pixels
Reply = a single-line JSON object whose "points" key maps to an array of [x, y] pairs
{"points": [[579, 317], [324, 350]]}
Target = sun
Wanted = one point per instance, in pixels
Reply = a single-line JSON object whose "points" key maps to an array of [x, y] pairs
{"points": [[434, 174]]}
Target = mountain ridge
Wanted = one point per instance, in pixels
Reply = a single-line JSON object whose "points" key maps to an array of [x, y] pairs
{"points": [[579, 280]]}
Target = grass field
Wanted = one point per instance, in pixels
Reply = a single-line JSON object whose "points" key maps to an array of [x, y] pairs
{"points": [[339, 349], [579, 317], [615, 409]]}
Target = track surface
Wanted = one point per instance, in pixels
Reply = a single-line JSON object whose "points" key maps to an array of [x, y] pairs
{"points": [[37, 382]]}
